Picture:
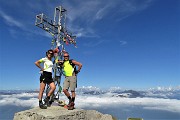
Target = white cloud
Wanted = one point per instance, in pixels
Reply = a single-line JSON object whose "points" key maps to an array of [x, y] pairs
{"points": [[10, 20], [123, 42], [84, 15], [98, 9], [101, 12], [171, 105], [15, 99], [93, 43], [94, 101]]}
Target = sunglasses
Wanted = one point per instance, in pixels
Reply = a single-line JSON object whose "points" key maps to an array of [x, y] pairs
{"points": [[51, 53], [66, 56]]}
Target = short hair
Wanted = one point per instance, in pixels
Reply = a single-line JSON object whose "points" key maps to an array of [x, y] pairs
{"points": [[66, 53], [49, 52]]}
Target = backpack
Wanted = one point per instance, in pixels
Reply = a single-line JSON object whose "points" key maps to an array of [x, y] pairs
{"points": [[72, 64]]}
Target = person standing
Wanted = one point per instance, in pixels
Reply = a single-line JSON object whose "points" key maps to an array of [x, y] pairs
{"points": [[46, 78], [70, 72]]}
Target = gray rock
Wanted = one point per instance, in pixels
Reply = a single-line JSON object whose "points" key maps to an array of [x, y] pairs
{"points": [[60, 113]]}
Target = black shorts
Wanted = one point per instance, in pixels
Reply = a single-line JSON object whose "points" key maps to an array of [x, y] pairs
{"points": [[46, 77]]}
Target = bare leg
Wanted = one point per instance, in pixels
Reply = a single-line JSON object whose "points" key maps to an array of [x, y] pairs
{"points": [[53, 87], [66, 92], [73, 94], [42, 87]]}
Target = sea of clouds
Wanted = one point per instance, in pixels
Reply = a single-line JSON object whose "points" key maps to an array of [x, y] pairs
{"points": [[152, 104]]}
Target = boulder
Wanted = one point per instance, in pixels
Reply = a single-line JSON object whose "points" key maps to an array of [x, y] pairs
{"points": [[60, 113]]}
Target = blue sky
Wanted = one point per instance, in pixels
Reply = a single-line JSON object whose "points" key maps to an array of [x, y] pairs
{"points": [[121, 43]]}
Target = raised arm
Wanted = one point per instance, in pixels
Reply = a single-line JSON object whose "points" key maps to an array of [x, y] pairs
{"points": [[37, 63], [78, 64]]}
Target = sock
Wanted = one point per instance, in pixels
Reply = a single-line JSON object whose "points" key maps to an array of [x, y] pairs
{"points": [[69, 97], [73, 99], [40, 101]]}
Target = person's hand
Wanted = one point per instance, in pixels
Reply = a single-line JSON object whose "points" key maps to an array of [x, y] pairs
{"points": [[41, 72], [77, 71], [60, 62]]}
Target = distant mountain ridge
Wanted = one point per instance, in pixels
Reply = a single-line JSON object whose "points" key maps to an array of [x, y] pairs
{"points": [[158, 92]]}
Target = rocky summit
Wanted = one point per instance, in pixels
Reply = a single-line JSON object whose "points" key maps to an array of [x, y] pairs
{"points": [[60, 113]]}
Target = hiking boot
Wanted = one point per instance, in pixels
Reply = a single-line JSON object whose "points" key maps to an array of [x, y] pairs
{"points": [[42, 106], [71, 106], [47, 102]]}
